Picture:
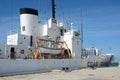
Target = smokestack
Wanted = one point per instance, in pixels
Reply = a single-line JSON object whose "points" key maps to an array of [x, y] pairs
{"points": [[28, 21]]}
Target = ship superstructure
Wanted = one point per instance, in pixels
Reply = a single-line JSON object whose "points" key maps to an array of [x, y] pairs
{"points": [[50, 39]]}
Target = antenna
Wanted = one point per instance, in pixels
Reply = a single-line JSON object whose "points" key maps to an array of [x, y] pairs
{"points": [[110, 50], [53, 9], [71, 24], [81, 29]]}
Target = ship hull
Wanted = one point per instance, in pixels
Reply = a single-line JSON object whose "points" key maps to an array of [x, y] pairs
{"points": [[10, 67]]}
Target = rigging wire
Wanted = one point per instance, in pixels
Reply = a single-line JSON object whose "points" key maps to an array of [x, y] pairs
{"points": [[61, 12], [46, 12], [81, 29], [11, 24]]}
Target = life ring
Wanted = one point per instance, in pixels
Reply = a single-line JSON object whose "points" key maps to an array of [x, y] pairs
{"points": [[22, 51]]}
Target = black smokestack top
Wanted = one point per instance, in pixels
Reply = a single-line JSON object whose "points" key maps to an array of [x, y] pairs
{"points": [[53, 9], [28, 11]]}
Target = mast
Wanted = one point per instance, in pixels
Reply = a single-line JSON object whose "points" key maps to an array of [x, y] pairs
{"points": [[53, 9]]}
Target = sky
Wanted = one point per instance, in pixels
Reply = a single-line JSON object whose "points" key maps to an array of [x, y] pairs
{"points": [[100, 19]]}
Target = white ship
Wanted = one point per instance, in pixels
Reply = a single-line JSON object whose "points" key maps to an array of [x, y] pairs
{"points": [[95, 57], [41, 47]]}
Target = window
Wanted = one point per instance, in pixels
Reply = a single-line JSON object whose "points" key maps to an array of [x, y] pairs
{"points": [[61, 32], [23, 28]]}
